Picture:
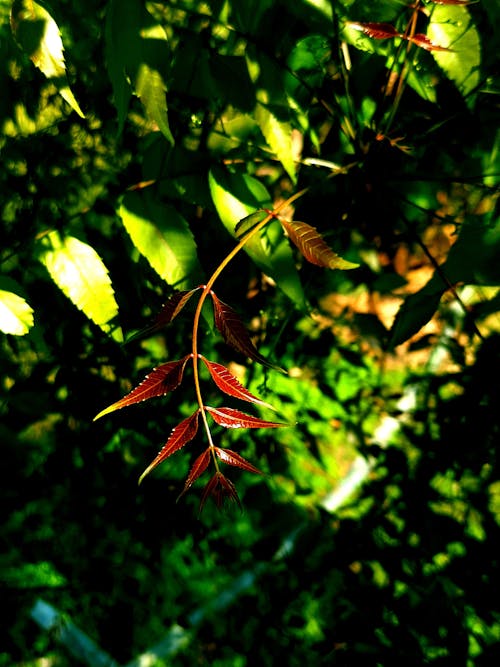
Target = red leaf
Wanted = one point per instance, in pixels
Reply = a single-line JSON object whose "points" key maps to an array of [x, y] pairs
{"points": [[375, 30], [425, 43], [198, 468], [229, 384], [313, 247], [454, 2], [233, 331], [179, 436], [170, 309], [159, 382], [234, 459], [231, 418], [220, 488]]}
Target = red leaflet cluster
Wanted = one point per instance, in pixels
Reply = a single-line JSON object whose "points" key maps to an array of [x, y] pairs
{"points": [[167, 377], [387, 31]]}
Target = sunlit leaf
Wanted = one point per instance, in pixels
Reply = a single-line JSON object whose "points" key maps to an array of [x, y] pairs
{"points": [[80, 273], [16, 315], [234, 459], [278, 134], [163, 236], [313, 247], [425, 43], [231, 418], [452, 26], [160, 381], [38, 35], [375, 30], [180, 436], [234, 332], [227, 383], [237, 196], [197, 469]]}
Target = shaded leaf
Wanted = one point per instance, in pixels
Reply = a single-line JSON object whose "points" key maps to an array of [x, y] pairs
{"points": [[160, 381], [136, 56], [80, 273], [163, 236], [197, 469], [234, 332], [231, 418], [416, 310], [170, 309], [454, 2], [234, 459], [313, 247], [375, 30], [38, 35], [180, 435], [230, 385], [425, 43], [221, 489], [16, 315], [249, 222]]}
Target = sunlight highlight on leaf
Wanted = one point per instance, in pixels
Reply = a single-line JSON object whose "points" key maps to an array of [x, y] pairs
{"points": [[231, 418], [16, 315], [230, 385], [160, 381], [180, 436], [313, 247], [80, 273]]}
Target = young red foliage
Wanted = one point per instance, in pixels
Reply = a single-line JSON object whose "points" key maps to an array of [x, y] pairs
{"points": [[234, 459], [227, 383], [313, 247], [197, 469], [231, 418], [221, 489], [180, 435], [160, 381], [170, 309], [375, 30], [234, 332]]}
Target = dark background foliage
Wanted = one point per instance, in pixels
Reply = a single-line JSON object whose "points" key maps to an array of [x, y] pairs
{"points": [[370, 539]]}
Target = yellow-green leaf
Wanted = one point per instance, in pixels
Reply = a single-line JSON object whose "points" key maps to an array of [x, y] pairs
{"points": [[38, 36], [80, 273], [278, 134], [163, 237], [16, 315]]}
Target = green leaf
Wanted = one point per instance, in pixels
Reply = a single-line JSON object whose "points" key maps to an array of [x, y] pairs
{"points": [[236, 196], [452, 27], [38, 35], [80, 273], [16, 315], [278, 134], [163, 237], [137, 55]]}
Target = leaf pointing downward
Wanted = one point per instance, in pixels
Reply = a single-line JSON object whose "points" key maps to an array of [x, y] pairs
{"points": [[235, 333], [230, 385], [230, 418], [198, 468], [180, 436], [159, 382], [313, 247]]}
